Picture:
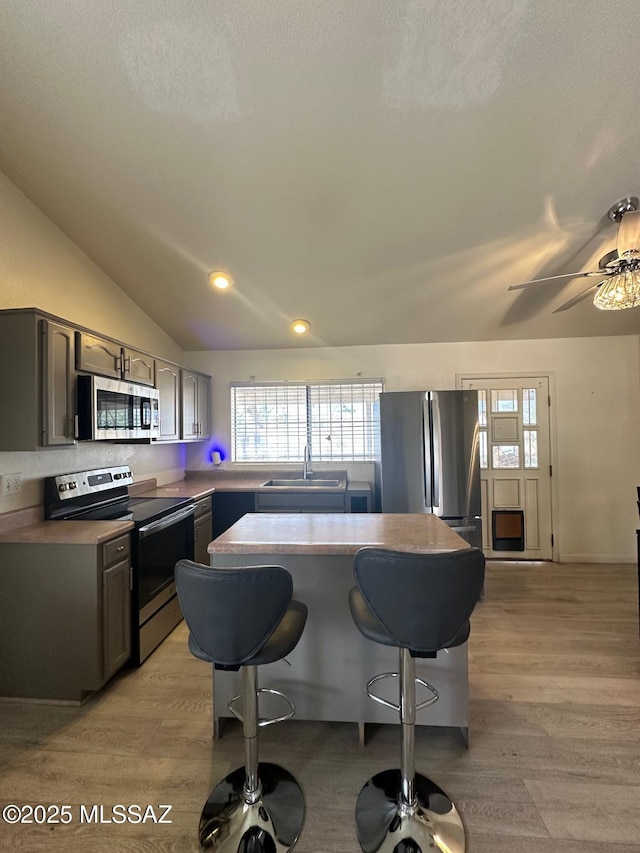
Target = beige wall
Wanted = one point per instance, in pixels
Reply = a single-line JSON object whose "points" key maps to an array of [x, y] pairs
{"points": [[595, 415], [41, 268], [596, 381]]}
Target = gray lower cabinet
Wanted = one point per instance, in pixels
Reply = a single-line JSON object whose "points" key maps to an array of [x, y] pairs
{"points": [[65, 617], [229, 507], [300, 502], [202, 530], [37, 382], [116, 605]]}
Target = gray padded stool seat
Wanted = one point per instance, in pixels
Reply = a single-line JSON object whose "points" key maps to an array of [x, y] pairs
{"points": [[240, 618], [420, 604]]}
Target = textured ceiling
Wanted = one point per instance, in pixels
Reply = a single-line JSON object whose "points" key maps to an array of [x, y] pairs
{"points": [[383, 168]]}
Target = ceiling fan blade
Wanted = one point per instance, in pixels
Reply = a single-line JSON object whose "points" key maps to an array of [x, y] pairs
{"points": [[578, 298], [554, 278], [629, 234]]}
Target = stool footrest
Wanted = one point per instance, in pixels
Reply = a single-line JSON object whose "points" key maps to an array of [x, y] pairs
{"points": [[381, 701], [267, 721]]}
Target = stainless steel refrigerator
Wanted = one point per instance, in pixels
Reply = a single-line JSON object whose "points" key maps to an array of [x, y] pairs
{"points": [[429, 457]]}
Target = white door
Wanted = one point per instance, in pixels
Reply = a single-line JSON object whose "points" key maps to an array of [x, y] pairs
{"points": [[515, 466]]}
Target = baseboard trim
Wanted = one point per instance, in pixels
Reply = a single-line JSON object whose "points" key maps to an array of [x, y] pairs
{"points": [[597, 558]]}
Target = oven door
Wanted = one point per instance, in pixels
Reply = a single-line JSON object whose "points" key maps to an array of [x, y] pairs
{"points": [[158, 547]]}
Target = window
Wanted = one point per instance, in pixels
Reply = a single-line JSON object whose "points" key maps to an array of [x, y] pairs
{"points": [[506, 441], [272, 422]]}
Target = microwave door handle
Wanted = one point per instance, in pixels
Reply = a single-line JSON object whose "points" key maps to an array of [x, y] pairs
{"points": [[167, 521], [145, 412]]}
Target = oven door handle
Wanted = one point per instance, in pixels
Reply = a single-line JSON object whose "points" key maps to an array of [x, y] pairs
{"points": [[167, 521]]}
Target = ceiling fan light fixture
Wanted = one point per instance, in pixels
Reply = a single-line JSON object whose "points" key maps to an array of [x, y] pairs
{"points": [[628, 242], [619, 292]]}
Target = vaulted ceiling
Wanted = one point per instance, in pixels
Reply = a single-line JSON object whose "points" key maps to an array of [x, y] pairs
{"points": [[383, 168]]}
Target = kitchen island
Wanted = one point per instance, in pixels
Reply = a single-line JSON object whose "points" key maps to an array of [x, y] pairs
{"points": [[332, 663]]}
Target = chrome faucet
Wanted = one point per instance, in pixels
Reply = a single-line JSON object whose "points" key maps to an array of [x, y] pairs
{"points": [[306, 465]]}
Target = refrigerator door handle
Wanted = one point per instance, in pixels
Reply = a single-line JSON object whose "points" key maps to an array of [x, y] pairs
{"points": [[427, 478], [436, 452], [473, 472]]}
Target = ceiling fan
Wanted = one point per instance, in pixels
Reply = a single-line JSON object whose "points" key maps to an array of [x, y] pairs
{"points": [[618, 270]]}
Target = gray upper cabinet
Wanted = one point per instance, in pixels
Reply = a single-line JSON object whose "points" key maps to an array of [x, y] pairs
{"points": [[37, 381], [195, 405], [168, 384], [41, 357], [138, 366], [58, 386], [108, 358]]}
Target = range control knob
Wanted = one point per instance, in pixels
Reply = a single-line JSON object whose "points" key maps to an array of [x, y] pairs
{"points": [[62, 487], [73, 485]]}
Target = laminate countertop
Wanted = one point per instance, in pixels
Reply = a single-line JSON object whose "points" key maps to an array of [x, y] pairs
{"points": [[66, 532], [198, 484], [335, 533]]}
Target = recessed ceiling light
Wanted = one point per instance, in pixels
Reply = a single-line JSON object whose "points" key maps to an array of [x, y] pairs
{"points": [[300, 326], [221, 280]]}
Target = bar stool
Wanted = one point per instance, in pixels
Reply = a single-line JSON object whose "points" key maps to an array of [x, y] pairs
{"points": [[420, 604], [241, 618]]}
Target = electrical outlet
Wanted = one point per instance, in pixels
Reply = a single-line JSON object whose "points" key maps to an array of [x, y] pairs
{"points": [[10, 484]]}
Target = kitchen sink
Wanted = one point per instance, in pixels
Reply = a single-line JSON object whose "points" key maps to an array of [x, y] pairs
{"points": [[309, 483]]}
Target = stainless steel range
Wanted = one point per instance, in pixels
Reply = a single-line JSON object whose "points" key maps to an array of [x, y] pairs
{"points": [[163, 534]]}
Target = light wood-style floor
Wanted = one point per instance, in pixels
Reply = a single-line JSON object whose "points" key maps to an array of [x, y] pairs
{"points": [[554, 763]]}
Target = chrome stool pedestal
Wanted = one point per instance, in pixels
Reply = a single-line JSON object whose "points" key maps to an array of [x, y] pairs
{"points": [[401, 811], [272, 824], [241, 618], [258, 808], [419, 604]]}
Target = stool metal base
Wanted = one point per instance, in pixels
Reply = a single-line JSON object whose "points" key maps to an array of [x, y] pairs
{"points": [[385, 826], [271, 825]]}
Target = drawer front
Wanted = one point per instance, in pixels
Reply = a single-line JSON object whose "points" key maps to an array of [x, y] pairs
{"points": [[302, 502], [116, 550], [203, 506]]}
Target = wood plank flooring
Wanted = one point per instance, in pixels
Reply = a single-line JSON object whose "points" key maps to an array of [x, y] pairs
{"points": [[554, 763]]}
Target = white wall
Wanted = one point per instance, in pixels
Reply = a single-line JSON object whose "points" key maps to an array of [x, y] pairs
{"points": [[41, 268], [595, 415]]}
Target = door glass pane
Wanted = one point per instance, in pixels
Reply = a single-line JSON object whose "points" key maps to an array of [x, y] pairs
{"points": [[482, 407], [530, 437], [506, 456], [529, 406], [504, 401], [484, 461]]}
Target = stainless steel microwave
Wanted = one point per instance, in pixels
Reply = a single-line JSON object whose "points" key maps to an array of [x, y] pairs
{"points": [[109, 409]]}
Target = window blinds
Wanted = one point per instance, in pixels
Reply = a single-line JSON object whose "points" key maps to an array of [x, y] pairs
{"points": [[272, 422]]}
